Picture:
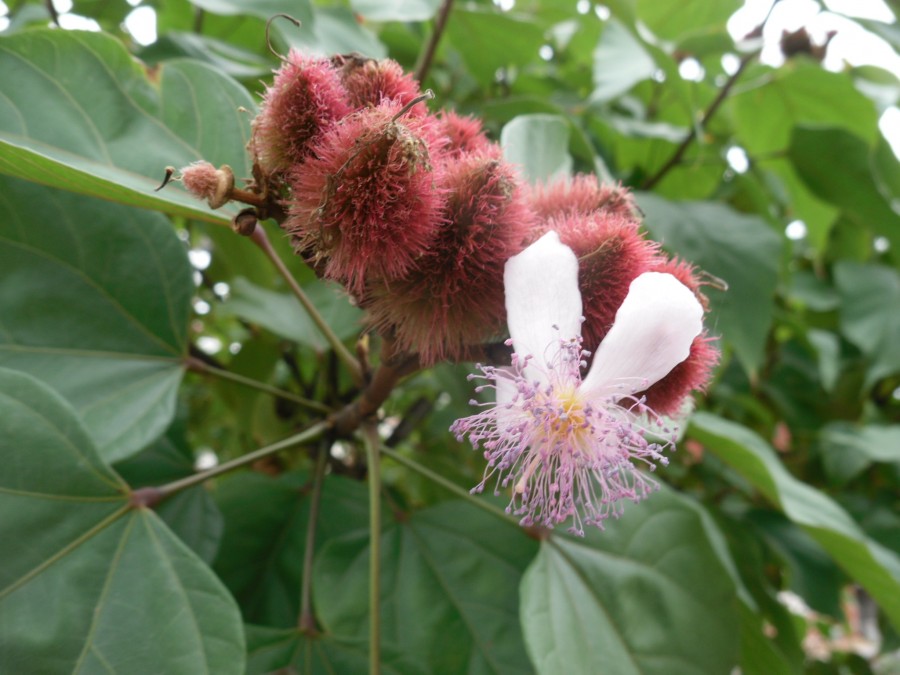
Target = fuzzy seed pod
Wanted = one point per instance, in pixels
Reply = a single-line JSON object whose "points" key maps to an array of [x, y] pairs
{"points": [[465, 135], [365, 202], [454, 297], [305, 99], [583, 194], [369, 82]]}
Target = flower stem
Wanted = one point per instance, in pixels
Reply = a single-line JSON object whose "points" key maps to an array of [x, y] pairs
{"points": [[262, 241], [307, 622], [200, 366], [370, 438], [309, 434], [448, 485], [678, 155], [424, 64]]}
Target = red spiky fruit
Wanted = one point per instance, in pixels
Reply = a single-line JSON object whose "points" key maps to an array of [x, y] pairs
{"points": [[454, 297], [465, 135], [305, 99], [583, 194], [367, 203], [369, 82]]}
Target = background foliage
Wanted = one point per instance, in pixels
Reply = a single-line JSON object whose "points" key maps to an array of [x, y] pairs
{"points": [[133, 327]]}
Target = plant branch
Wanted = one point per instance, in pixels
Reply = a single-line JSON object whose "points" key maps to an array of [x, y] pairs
{"points": [[199, 366], [262, 241], [307, 622], [370, 438], [150, 496], [53, 12], [427, 56], [717, 102], [392, 368], [448, 485]]}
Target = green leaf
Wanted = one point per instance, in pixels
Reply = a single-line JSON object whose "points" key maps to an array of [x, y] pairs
{"points": [[107, 585], [336, 31], [191, 514], [810, 572], [800, 93], [682, 20], [264, 9], [539, 144], [870, 564], [114, 138], [488, 40], [870, 313], [396, 10], [448, 589], [95, 300], [223, 56], [848, 449], [798, 202], [759, 654], [261, 554], [838, 167], [647, 595], [740, 249], [282, 314], [272, 649], [620, 62]]}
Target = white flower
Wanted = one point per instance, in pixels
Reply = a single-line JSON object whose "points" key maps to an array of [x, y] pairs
{"points": [[569, 446]]}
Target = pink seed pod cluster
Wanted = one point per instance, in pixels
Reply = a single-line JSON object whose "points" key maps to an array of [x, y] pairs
{"points": [[416, 214]]}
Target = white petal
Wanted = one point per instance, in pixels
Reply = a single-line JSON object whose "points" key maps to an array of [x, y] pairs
{"points": [[543, 303], [652, 333]]}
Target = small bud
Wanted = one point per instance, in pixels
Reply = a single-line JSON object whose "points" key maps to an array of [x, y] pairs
{"points": [[244, 223], [205, 181]]}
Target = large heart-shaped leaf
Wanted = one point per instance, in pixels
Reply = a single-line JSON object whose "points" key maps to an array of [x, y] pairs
{"points": [[271, 650], [191, 514], [261, 555], [449, 590], [838, 167], [876, 568], [648, 595], [802, 93], [89, 584], [95, 300], [85, 116], [740, 249]]}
